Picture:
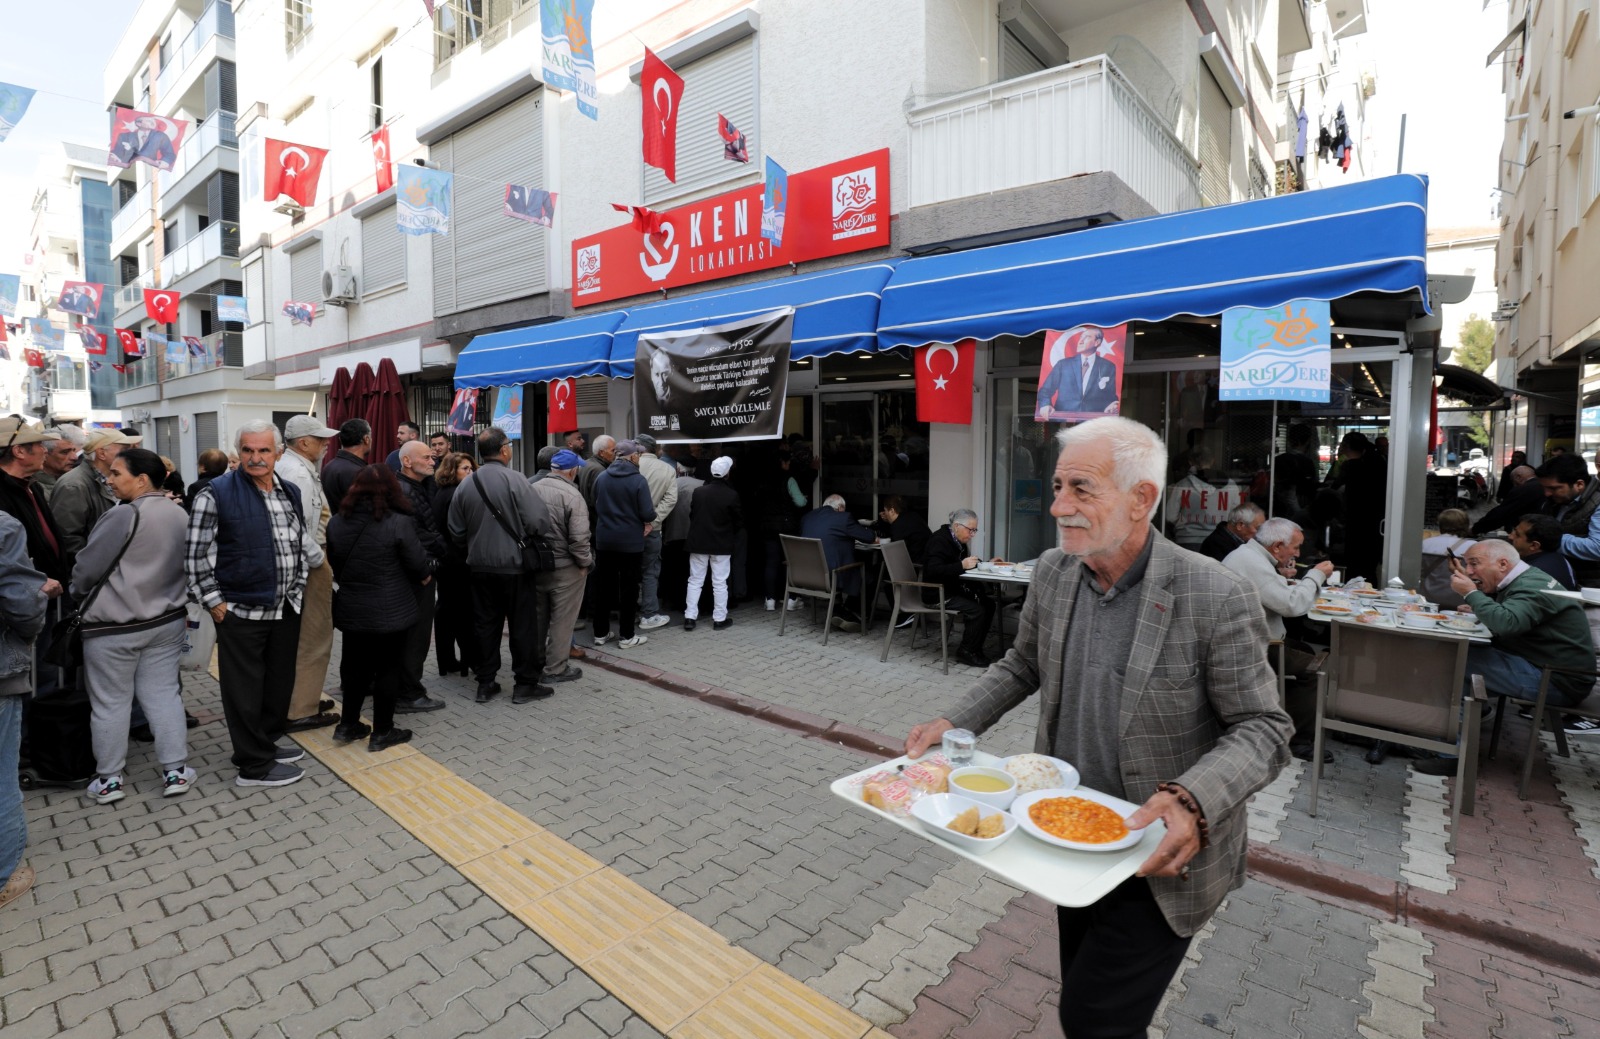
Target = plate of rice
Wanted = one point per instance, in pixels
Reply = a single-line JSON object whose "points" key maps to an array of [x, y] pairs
{"points": [[1040, 772]]}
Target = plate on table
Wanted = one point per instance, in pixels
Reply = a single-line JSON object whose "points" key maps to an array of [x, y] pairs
{"points": [[1339, 612], [1020, 809], [1463, 626], [1069, 775]]}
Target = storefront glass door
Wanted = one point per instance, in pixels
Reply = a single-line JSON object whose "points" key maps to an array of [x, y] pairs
{"points": [[871, 446]]}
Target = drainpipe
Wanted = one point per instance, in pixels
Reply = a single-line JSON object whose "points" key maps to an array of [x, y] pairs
{"points": [[1552, 181]]}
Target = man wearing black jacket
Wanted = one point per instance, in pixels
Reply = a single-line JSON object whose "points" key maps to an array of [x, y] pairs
{"points": [[22, 451], [715, 519], [948, 560], [1524, 495], [355, 444], [416, 479]]}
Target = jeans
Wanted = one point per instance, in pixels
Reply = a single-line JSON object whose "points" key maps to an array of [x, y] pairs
{"points": [[698, 563], [650, 575], [142, 664], [13, 821], [1505, 673]]}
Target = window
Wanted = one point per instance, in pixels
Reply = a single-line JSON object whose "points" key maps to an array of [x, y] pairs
{"points": [[1216, 140], [383, 251], [723, 81], [305, 274], [167, 440], [377, 93], [456, 24], [206, 435], [296, 20], [166, 51]]}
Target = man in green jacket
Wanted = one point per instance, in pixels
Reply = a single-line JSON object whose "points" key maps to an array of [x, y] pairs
{"points": [[1532, 629]]}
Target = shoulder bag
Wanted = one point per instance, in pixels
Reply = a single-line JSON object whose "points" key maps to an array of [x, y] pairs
{"points": [[66, 637], [537, 556]]}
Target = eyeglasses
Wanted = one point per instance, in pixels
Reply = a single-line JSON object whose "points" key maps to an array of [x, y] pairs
{"points": [[973, 529]]}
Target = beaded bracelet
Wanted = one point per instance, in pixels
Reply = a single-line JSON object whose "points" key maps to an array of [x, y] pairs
{"points": [[1188, 803]]}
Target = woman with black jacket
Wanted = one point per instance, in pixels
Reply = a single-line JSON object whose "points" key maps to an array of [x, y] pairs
{"points": [[377, 560], [455, 644]]}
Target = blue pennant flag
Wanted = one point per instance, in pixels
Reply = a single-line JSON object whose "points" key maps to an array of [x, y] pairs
{"points": [[233, 308], [10, 289], [46, 336], [422, 200], [14, 102], [774, 203], [567, 58]]}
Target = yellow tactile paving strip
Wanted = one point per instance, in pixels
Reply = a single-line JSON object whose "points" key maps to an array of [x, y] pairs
{"points": [[673, 971]]}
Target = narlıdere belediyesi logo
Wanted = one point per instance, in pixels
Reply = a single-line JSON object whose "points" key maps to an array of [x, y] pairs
{"points": [[854, 196], [589, 269]]}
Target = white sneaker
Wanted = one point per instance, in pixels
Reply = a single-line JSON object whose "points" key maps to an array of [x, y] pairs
{"points": [[106, 790], [179, 782], [793, 604], [652, 622], [600, 640], [637, 640], [772, 604]]}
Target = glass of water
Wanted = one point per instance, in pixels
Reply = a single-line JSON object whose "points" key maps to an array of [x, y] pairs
{"points": [[959, 745]]}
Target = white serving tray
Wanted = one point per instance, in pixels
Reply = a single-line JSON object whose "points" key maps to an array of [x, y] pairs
{"points": [[1065, 878]]}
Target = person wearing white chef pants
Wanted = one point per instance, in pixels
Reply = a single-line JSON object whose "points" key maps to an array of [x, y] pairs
{"points": [[714, 523]]}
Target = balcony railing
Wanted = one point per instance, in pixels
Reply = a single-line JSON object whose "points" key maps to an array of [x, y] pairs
{"points": [[216, 241], [1062, 122], [132, 293], [217, 350], [215, 132], [136, 212], [216, 20]]}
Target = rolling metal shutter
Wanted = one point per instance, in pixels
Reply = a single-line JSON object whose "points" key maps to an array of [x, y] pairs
{"points": [[488, 257], [1216, 140], [167, 440], [1015, 59], [206, 435], [722, 82], [305, 274], [383, 251]]}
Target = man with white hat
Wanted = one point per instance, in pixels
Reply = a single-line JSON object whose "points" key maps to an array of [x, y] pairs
{"points": [[305, 444], [60, 456], [715, 520], [83, 495], [561, 589]]}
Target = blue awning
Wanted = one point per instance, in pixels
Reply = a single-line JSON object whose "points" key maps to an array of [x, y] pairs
{"points": [[836, 311], [538, 353], [1325, 244]]}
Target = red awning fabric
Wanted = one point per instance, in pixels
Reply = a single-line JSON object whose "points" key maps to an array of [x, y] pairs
{"points": [[385, 409], [341, 407]]}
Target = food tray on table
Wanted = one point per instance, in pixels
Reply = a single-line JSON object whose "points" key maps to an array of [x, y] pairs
{"points": [[1058, 875]]}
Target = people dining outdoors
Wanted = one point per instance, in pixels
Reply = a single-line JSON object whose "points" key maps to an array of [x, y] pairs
{"points": [[949, 558], [1521, 494], [1241, 525], [838, 532], [1452, 540], [1537, 538], [896, 523], [1572, 496]]}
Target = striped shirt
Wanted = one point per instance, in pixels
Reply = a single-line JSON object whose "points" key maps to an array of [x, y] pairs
{"points": [[288, 554]]}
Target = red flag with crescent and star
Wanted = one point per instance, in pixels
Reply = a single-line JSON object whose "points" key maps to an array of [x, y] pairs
{"points": [[380, 160], [129, 340], [663, 90], [35, 358], [944, 381], [161, 305], [293, 170], [563, 410]]}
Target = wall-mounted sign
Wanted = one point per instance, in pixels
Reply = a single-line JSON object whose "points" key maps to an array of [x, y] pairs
{"points": [[839, 208]]}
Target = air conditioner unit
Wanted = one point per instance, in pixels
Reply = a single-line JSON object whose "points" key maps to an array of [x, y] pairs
{"points": [[339, 286]]}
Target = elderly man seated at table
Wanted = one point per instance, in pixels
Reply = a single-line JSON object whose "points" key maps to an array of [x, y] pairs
{"points": [[1267, 562], [948, 560], [1531, 629], [1240, 526], [838, 532]]}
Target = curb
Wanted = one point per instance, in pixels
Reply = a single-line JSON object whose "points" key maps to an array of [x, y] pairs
{"points": [[1353, 889]]}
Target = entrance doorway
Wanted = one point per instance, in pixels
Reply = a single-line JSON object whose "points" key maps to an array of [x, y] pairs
{"points": [[871, 446]]}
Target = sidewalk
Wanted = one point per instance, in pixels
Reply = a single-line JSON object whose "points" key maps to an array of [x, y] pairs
{"points": [[690, 791]]}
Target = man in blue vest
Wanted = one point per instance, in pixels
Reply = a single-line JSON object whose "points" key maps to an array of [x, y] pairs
{"points": [[247, 561]]}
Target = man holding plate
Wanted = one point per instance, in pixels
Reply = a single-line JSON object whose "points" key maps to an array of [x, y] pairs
{"points": [[1152, 676]]}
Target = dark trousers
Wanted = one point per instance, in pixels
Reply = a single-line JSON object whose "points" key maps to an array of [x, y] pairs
{"points": [[256, 664], [674, 573], [414, 651], [455, 639], [616, 587], [1117, 958], [772, 570], [371, 666], [977, 613], [514, 598]]}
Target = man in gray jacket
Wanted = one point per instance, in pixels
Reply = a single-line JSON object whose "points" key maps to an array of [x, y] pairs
{"points": [[561, 589], [82, 495], [663, 480], [502, 590]]}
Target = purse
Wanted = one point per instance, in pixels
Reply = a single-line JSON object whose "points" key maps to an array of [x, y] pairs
{"points": [[66, 637], [537, 555]]}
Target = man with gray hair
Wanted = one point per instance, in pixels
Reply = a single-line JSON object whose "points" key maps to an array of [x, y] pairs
{"points": [[305, 444], [1267, 562], [1149, 667], [60, 456], [247, 564], [1241, 525], [946, 561], [83, 495], [838, 532]]}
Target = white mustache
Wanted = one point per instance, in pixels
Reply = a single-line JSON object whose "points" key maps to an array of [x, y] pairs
{"points": [[1072, 521], [255, 465]]}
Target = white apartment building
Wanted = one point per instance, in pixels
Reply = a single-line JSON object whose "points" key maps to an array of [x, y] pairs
{"points": [[179, 230], [1548, 314]]}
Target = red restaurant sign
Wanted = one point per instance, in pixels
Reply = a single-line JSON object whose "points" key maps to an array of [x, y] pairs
{"points": [[839, 208]]}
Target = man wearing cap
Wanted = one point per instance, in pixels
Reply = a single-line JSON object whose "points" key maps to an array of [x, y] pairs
{"points": [[83, 495], [355, 445], [59, 457], [715, 520], [662, 477], [305, 444], [561, 589], [22, 451], [416, 481]]}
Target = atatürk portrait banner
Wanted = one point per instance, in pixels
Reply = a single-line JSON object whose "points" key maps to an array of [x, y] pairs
{"points": [[720, 382]]}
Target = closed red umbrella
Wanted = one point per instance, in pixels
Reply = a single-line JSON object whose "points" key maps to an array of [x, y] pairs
{"points": [[385, 409], [339, 407]]}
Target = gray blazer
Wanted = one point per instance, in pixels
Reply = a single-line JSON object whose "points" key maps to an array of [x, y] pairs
{"points": [[1199, 702]]}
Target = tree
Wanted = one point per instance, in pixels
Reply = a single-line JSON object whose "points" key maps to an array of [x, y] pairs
{"points": [[1476, 349]]}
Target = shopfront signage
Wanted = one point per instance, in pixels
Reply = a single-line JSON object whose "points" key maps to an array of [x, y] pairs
{"points": [[717, 383], [1281, 353], [839, 208]]}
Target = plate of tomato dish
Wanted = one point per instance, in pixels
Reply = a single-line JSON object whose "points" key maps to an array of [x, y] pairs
{"points": [[1079, 819]]}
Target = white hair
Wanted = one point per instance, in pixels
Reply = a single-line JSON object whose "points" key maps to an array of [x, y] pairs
{"points": [[1137, 453], [1277, 531], [73, 433], [834, 502], [1495, 548], [962, 515], [1249, 512], [260, 425], [604, 443]]}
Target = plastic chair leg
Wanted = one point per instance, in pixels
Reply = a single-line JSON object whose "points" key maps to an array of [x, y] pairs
{"points": [[888, 636]]}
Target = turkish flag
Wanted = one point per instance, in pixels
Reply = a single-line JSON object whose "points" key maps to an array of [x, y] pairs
{"points": [[93, 342], [35, 358], [130, 342], [563, 411], [161, 305], [120, 369], [293, 170], [944, 381], [380, 160], [663, 90], [2, 331], [645, 221]]}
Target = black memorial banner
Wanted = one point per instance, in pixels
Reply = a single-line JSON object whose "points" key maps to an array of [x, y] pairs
{"points": [[721, 382]]}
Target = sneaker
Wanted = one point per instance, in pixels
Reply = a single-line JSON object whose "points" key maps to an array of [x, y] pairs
{"points": [[288, 755], [906, 621], [571, 674], [280, 774], [178, 781], [772, 604], [600, 640], [1576, 726], [654, 621], [636, 641], [103, 791], [792, 604], [385, 740], [350, 733]]}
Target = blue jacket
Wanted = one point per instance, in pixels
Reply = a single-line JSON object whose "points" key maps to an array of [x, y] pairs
{"points": [[622, 506], [246, 572], [837, 532]]}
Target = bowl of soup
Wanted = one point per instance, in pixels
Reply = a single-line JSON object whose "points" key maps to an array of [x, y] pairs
{"points": [[993, 787]]}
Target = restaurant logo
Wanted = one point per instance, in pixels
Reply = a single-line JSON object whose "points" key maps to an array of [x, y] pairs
{"points": [[656, 262], [855, 200], [588, 270]]}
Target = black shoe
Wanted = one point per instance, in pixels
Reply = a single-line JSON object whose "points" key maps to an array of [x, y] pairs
{"points": [[1303, 752], [448, 669], [571, 674], [530, 693], [385, 740], [720, 625], [141, 734], [190, 721], [316, 721], [1435, 766], [418, 706], [325, 705], [350, 733], [688, 624], [972, 659], [488, 691]]}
